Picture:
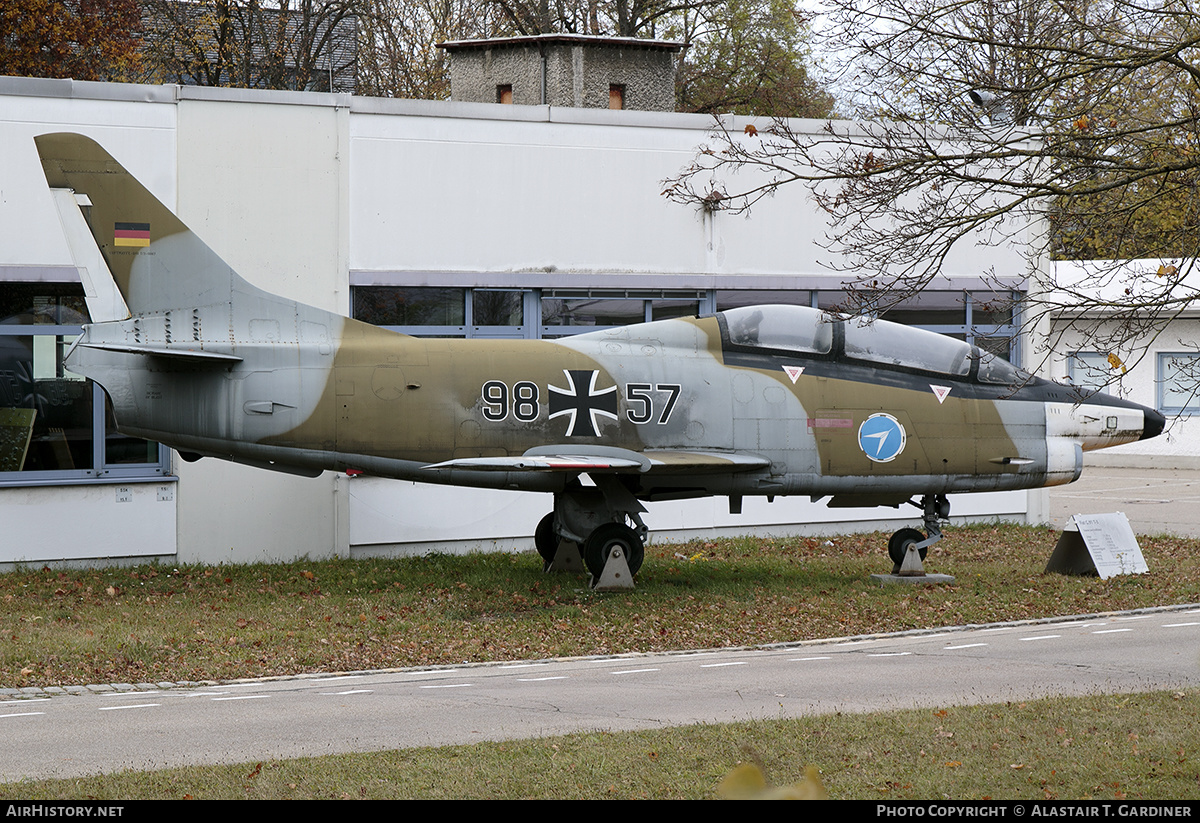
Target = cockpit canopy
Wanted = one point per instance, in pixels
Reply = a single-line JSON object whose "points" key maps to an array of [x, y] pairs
{"points": [[808, 331], [787, 328]]}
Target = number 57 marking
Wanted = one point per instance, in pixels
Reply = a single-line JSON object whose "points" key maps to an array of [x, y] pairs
{"points": [[640, 397]]}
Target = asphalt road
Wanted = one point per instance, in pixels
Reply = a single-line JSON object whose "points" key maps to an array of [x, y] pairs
{"points": [[70, 735], [1156, 501]]}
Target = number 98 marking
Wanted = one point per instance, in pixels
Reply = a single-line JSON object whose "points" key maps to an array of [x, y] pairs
{"points": [[524, 401]]}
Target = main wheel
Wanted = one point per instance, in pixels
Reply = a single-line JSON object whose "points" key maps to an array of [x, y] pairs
{"points": [[545, 539], [607, 536], [901, 540]]}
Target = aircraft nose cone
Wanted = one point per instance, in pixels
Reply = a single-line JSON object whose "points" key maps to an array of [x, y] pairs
{"points": [[1154, 424]]}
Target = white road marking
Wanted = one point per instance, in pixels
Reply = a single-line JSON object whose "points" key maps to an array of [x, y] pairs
{"points": [[1111, 631], [235, 686], [350, 691], [635, 671], [131, 706], [1177, 625], [447, 686], [803, 659], [242, 697], [964, 646], [540, 679], [719, 665], [121, 694], [205, 694], [21, 714], [888, 654], [1041, 637]]}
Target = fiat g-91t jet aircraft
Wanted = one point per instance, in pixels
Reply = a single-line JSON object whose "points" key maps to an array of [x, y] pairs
{"points": [[766, 400]]}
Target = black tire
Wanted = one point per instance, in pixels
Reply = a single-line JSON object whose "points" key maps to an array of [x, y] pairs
{"points": [[601, 542], [545, 540], [901, 540]]}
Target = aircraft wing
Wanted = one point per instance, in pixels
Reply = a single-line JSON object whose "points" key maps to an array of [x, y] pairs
{"points": [[608, 459]]}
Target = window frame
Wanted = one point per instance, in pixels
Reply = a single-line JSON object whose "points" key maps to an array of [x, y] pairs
{"points": [[1192, 405], [1076, 364], [100, 470], [707, 302]]}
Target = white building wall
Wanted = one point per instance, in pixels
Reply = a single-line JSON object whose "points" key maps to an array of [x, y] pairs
{"points": [[476, 188], [264, 185]]}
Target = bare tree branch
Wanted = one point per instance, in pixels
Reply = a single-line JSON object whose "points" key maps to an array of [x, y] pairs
{"points": [[1067, 127]]}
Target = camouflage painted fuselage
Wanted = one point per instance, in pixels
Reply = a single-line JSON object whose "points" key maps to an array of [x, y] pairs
{"points": [[696, 413]]}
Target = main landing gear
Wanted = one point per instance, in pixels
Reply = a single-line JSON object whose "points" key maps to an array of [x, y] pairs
{"points": [[595, 523], [936, 508]]}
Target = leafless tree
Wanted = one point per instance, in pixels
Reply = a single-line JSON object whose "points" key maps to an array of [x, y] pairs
{"points": [[273, 44], [1069, 127], [398, 49]]}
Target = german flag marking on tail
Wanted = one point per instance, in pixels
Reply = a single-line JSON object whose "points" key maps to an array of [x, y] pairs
{"points": [[131, 234]]}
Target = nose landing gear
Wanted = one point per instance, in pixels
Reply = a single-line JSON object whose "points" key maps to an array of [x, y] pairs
{"points": [[936, 508]]}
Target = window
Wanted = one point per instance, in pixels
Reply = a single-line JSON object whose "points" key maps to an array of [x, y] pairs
{"points": [[1092, 371], [787, 328], [443, 311], [1178, 376], [616, 96], [736, 298], [56, 426], [906, 346], [566, 314], [564, 310], [983, 319], [427, 311], [504, 94]]}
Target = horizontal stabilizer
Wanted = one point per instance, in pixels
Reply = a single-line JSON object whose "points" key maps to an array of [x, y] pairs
{"points": [[190, 355]]}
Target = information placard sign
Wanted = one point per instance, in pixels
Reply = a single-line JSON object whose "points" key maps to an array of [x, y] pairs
{"points": [[1102, 544]]}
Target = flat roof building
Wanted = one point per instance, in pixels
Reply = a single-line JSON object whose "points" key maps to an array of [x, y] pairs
{"points": [[577, 71]]}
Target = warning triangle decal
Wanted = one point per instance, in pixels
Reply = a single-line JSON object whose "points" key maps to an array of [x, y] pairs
{"points": [[793, 371], [940, 392]]}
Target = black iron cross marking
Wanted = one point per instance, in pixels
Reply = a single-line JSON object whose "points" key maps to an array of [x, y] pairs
{"points": [[583, 407]]}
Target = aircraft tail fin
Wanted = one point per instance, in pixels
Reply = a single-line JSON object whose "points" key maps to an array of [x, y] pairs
{"points": [[156, 262]]}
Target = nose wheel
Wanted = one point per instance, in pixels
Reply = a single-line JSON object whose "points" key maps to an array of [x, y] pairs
{"points": [[899, 544], [936, 508]]}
